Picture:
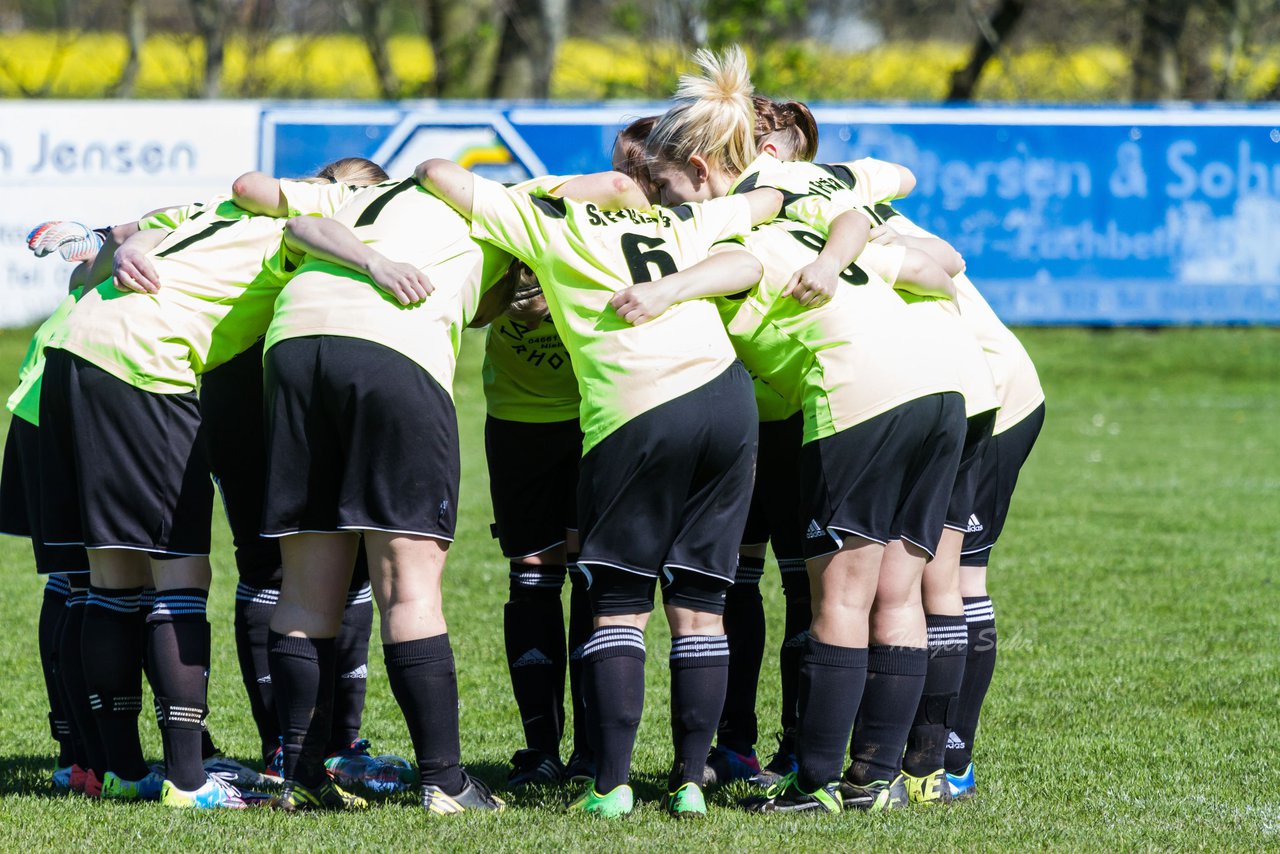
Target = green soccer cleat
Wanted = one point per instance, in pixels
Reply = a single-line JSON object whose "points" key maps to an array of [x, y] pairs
{"points": [[115, 788], [474, 796], [786, 796], [615, 804], [930, 789], [327, 796], [686, 802], [876, 796]]}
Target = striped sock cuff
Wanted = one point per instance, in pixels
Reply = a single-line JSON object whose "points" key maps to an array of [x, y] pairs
{"points": [[700, 651], [124, 601], [612, 641], [979, 612], [265, 596], [750, 570], [362, 595], [117, 704], [176, 714], [181, 602], [948, 634], [528, 576], [148, 599], [57, 585], [78, 599], [791, 564]]}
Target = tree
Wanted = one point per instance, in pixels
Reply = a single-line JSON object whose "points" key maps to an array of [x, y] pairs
{"points": [[460, 32], [993, 33], [1157, 72], [369, 18], [531, 34], [212, 19]]}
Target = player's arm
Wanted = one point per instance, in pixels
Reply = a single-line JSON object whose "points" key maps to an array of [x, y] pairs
{"points": [[132, 269], [259, 193], [730, 271], [766, 204], [908, 270], [448, 182], [935, 247], [609, 190], [330, 240], [816, 282]]}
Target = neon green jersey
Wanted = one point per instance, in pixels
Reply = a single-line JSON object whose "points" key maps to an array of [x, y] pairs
{"points": [[582, 256], [25, 400], [405, 223], [807, 189], [849, 360], [770, 403], [527, 374], [220, 271]]}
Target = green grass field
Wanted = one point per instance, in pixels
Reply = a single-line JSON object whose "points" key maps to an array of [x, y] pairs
{"points": [[1134, 705]]}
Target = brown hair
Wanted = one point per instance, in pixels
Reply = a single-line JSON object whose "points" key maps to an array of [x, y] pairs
{"points": [[713, 116], [356, 171], [630, 141], [788, 125]]}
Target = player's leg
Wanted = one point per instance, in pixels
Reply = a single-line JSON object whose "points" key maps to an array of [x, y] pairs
{"points": [[581, 766], [734, 755], [1002, 460]]}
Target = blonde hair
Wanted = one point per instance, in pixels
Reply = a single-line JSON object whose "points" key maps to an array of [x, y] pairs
{"points": [[356, 171], [713, 116]]}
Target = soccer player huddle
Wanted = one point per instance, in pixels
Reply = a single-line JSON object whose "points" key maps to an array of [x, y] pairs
{"points": [[718, 346]]}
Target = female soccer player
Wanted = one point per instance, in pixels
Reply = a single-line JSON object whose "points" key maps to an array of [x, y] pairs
{"points": [[669, 440], [362, 439], [125, 365]]}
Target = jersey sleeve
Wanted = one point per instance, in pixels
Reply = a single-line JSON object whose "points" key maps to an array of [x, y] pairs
{"points": [[721, 219], [304, 197], [878, 180], [169, 217], [819, 213], [509, 219]]}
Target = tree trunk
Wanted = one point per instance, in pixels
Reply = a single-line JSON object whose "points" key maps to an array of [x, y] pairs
{"points": [[531, 34], [369, 18], [136, 32], [1156, 72], [993, 32], [211, 21], [461, 32]]}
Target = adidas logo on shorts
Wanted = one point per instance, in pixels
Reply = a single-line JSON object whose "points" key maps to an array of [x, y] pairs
{"points": [[532, 657], [815, 530], [974, 525]]}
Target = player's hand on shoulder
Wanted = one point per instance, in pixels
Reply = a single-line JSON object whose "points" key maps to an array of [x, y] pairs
{"points": [[132, 270], [405, 282], [641, 303]]}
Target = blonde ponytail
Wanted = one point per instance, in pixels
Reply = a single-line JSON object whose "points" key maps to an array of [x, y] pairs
{"points": [[713, 116]]}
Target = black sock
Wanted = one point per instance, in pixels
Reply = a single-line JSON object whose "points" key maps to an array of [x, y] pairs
{"points": [[744, 627], [700, 674], [53, 615], [613, 671], [425, 684], [254, 606], [178, 649], [302, 671], [533, 630], [352, 651], [795, 638], [979, 665], [831, 679], [580, 628], [927, 741], [111, 652], [895, 681], [71, 673]]}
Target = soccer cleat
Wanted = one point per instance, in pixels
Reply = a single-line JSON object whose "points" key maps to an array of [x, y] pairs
{"points": [[273, 773], [533, 767], [932, 788], [72, 240], [581, 769], [117, 789], [962, 785], [92, 787], [876, 796], [725, 766], [327, 796], [687, 802], [475, 796], [782, 763], [786, 796], [352, 766], [61, 778], [236, 773], [216, 793], [615, 804]]}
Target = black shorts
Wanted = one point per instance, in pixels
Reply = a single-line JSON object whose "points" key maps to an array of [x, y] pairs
{"points": [[231, 404], [20, 501], [359, 438], [533, 481], [670, 488], [885, 479], [977, 435], [121, 467], [777, 515], [613, 592], [1002, 460]]}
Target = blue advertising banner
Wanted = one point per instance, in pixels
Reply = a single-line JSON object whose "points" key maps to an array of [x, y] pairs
{"points": [[1064, 215]]}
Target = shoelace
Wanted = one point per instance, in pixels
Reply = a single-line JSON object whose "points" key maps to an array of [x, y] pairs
{"points": [[478, 783], [781, 786], [232, 794]]}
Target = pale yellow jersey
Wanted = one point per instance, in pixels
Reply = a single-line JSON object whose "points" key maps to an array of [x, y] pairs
{"points": [[220, 270], [527, 374], [808, 190], [582, 256], [405, 223], [856, 357]]}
